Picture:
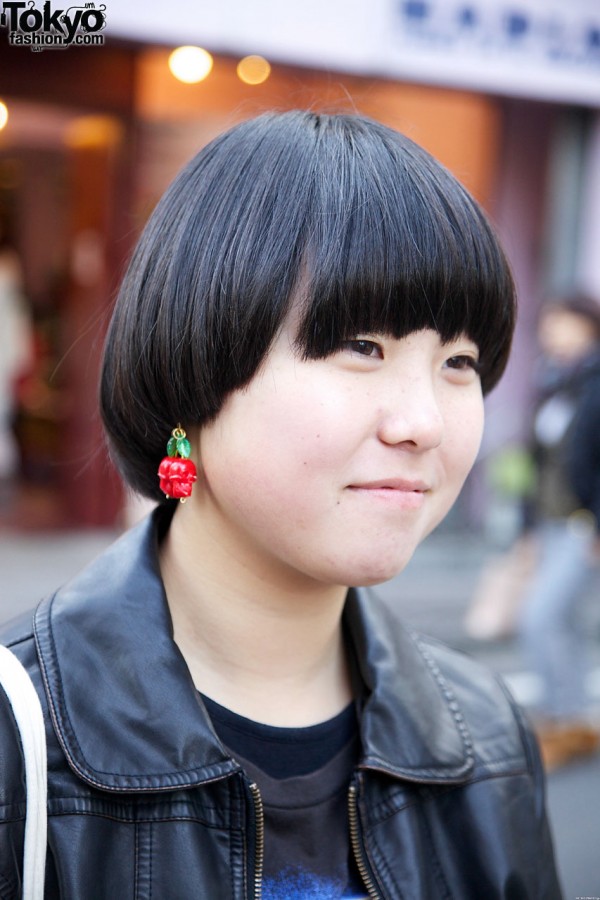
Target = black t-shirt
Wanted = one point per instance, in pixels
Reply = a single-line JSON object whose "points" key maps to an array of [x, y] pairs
{"points": [[303, 775]]}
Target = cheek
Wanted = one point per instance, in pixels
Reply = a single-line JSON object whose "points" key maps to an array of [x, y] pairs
{"points": [[464, 430], [277, 438], [304, 422]]}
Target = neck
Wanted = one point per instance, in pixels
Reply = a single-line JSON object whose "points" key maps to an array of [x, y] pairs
{"points": [[260, 639]]}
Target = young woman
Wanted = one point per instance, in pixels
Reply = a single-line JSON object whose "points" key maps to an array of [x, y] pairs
{"points": [[311, 318]]}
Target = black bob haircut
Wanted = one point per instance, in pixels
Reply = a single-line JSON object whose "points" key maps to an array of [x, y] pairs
{"points": [[338, 213]]}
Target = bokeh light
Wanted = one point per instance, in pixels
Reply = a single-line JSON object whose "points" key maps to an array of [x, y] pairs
{"points": [[253, 69], [3, 115], [190, 64], [93, 131]]}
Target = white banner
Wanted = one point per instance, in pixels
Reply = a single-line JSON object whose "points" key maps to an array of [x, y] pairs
{"points": [[545, 49], [530, 48]]}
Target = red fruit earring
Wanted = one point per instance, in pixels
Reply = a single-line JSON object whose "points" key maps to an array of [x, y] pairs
{"points": [[177, 472]]}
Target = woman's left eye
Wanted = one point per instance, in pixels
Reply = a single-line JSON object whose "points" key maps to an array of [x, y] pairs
{"points": [[463, 363], [364, 347]]}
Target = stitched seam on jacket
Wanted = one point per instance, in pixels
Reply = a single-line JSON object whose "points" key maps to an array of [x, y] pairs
{"points": [[15, 812], [379, 864], [143, 861], [137, 803], [15, 642], [439, 872], [125, 820], [449, 696], [427, 793], [521, 725], [136, 856]]}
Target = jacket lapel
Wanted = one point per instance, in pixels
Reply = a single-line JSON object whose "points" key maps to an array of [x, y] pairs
{"points": [[412, 726]]}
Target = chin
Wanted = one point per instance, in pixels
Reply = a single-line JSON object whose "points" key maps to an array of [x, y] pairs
{"points": [[372, 580], [376, 571]]}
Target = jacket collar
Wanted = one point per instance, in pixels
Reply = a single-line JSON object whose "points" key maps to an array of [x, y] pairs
{"points": [[411, 723], [129, 718]]}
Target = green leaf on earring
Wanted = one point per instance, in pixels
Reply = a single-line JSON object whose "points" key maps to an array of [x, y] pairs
{"points": [[183, 448], [172, 447]]}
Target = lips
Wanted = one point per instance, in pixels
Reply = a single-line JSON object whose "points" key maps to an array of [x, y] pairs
{"points": [[398, 494], [393, 484]]}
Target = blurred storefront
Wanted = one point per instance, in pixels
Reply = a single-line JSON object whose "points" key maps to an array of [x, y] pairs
{"points": [[95, 134], [66, 157]]}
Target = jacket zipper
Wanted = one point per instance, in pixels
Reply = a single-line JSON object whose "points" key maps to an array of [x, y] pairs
{"points": [[259, 841], [356, 844]]}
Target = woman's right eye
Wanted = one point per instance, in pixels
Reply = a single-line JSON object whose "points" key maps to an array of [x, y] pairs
{"points": [[364, 347]]}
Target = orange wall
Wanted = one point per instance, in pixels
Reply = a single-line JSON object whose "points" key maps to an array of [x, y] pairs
{"points": [[462, 129]]}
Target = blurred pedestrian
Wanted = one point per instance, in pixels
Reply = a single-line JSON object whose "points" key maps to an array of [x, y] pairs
{"points": [[565, 514], [309, 322], [16, 352]]}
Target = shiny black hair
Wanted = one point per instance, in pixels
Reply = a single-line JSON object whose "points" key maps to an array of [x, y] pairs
{"points": [[349, 219]]}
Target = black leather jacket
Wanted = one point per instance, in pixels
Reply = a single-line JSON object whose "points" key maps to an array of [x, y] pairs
{"points": [[144, 802]]}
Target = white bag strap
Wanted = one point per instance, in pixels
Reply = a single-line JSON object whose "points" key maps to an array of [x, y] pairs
{"points": [[27, 711]]}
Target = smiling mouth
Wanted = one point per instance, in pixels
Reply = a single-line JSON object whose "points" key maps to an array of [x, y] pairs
{"points": [[396, 485], [393, 493]]}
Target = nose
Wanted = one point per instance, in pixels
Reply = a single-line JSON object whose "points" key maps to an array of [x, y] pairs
{"points": [[413, 418]]}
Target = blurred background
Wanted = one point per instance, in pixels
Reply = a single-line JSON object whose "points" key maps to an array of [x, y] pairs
{"points": [[506, 93]]}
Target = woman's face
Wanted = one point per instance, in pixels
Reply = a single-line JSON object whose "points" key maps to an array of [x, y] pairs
{"points": [[335, 469], [565, 336]]}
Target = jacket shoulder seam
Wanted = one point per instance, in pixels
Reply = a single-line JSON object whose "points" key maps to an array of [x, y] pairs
{"points": [[17, 641]]}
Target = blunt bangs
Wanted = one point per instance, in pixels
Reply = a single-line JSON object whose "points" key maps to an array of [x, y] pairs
{"points": [[398, 245], [339, 214]]}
